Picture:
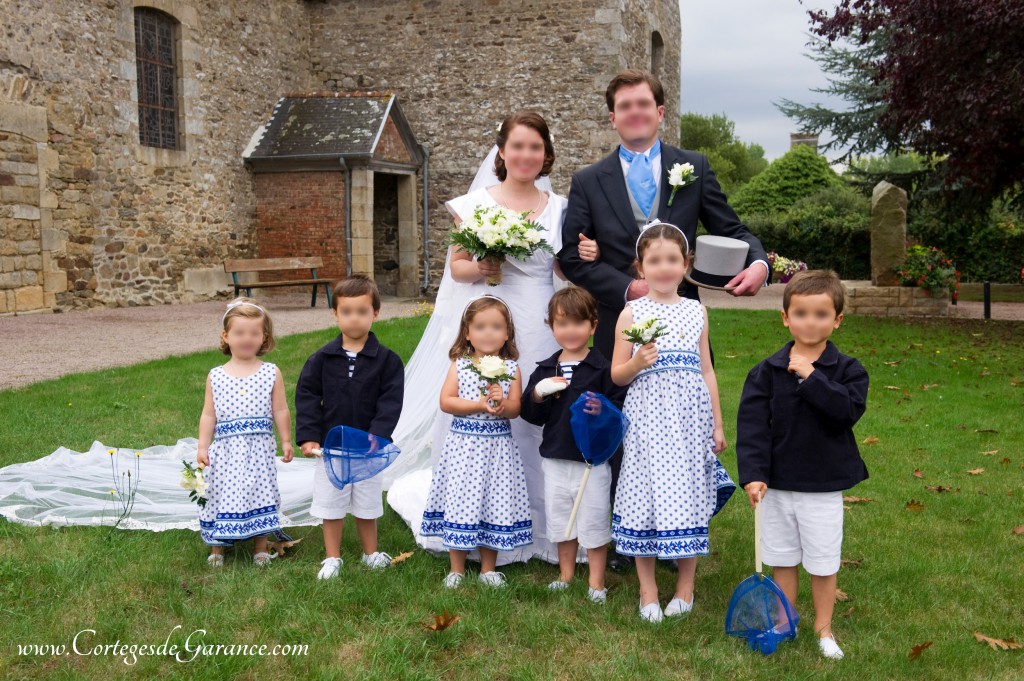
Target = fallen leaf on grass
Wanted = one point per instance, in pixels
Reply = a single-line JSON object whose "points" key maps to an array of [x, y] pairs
{"points": [[940, 488], [916, 651], [857, 500], [915, 505], [870, 440], [892, 364], [849, 612], [1019, 529], [402, 557], [1015, 383], [998, 643], [1004, 461], [976, 471], [985, 430], [893, 387], [443, 621], [991, 452], [930, 386], [851, 562], [279, 547], [918, 473], [841, 596], [184, 587]]}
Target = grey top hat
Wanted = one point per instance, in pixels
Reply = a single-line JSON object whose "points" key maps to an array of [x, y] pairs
{"points": [[717, 260]]}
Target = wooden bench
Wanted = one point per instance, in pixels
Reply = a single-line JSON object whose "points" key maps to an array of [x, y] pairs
{"points": [[234, 267]]}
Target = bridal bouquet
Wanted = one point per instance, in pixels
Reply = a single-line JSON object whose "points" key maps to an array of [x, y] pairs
{"points": [[494, 233], [192, 480], [642, 333], [491, 369]]}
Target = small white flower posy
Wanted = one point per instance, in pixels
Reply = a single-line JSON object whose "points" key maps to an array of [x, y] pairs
{"points": [[679, 176]]}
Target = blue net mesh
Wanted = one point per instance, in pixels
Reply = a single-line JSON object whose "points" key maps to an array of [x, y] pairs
{"points": [[597, 434], [351, 455], [760, 613]]}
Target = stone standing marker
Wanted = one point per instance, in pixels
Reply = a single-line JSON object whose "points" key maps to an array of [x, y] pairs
{"points": [[888, 233]]}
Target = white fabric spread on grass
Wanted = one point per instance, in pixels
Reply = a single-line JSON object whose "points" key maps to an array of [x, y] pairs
{"points": [[73, 488]]}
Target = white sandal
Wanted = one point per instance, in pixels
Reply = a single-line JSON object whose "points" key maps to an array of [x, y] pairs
{"points": [[215, 560], [262, 559]]}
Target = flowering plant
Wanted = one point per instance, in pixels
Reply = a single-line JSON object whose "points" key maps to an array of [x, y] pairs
{"points": [[679, 176], [494, 233], [642, 333], [192, 479], [784, 267], [930, 269]]}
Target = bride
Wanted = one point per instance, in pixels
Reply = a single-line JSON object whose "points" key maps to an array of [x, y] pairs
{"points": [[514, 176]]}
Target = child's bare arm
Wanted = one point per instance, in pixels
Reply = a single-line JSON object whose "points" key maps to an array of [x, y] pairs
{"points": [[451, 403], [207, 424], [282, 416], [624, 367], [708, 372], [513, 403]]}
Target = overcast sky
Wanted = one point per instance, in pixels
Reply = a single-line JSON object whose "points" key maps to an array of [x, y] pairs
{"points": [[739, 56]]}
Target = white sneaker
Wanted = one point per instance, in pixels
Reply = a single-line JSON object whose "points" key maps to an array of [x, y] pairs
{"points": [[651, 612], [216, 560], [597, 596], [453, 580], [829, 648], [378, 560], [558, 585], [677, 607], [495, 579], [330, 568]]}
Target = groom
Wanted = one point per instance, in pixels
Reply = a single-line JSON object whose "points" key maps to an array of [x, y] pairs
{"points": [[611, 200]]}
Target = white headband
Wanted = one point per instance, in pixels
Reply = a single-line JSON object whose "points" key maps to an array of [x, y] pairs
{"points": [[485, 295], [654, 223], [239, 303]]}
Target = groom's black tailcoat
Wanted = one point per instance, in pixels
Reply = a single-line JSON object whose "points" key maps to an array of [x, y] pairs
{"points": [[599, 208]]}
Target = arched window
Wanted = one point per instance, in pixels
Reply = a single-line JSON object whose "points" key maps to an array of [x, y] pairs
{"points": [[657, 53], [156, 62]]}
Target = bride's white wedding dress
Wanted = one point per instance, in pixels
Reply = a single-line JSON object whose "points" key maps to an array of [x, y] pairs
{"points": [[526, 287]]}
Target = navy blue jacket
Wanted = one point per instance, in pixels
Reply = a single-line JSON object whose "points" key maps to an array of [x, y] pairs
{"points": [[326, 397], [799, 436], [593, 374], [599, 207]]}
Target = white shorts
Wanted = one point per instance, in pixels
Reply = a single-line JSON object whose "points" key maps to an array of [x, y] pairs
{"points": [[362, 499], [562, 478], [803, 527]]}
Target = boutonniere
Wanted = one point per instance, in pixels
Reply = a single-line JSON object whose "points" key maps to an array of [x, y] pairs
{"points": [[681, 175]]}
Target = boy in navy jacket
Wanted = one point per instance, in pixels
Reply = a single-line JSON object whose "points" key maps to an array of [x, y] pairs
{"points": [[357, 382], [795, 445], [556, 383]]}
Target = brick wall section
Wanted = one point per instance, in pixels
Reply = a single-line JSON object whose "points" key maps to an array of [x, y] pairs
{"points": [[302, 214]]}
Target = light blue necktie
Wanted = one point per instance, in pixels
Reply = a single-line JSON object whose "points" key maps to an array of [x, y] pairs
{"points": [[640, 178]]}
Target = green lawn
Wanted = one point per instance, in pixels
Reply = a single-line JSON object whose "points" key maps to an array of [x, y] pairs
{"points": [[945, 395]]}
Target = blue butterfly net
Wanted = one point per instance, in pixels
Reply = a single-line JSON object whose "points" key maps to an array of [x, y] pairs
{"points": [[351, 455], [600, 433], [760, 613]]}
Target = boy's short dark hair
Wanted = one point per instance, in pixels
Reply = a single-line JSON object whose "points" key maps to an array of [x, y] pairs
{"points": [[355, 286], [813, 282], [573, 302]]}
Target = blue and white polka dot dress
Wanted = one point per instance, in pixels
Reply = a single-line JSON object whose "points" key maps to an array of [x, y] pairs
{"points": [[671, 481], [478, 494], [243, 498]]}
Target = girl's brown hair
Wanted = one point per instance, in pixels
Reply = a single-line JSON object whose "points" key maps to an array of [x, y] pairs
{"points": [[663, 231], [463, 347], [247, 307], [530, 119]]}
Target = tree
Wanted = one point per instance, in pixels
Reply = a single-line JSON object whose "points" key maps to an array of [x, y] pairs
{"points": [[944, 78], [800, 172], [734, 161]]}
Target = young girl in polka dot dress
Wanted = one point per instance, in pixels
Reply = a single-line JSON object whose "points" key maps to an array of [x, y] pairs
{"points": [[244, 401], [478, 497], [671, 481]]}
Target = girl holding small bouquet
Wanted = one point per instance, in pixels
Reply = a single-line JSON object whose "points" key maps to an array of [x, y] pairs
{"points": [[478, 497], [671, 481], [245, 399]]}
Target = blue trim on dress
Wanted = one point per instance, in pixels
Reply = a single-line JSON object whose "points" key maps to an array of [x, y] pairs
{"points": [[665, 544], [481, 427], [228, 528], [674, 360], [468, 536], [246, 425]]}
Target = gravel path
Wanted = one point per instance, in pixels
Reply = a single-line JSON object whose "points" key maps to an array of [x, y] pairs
{"points": [[36, 347]]}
